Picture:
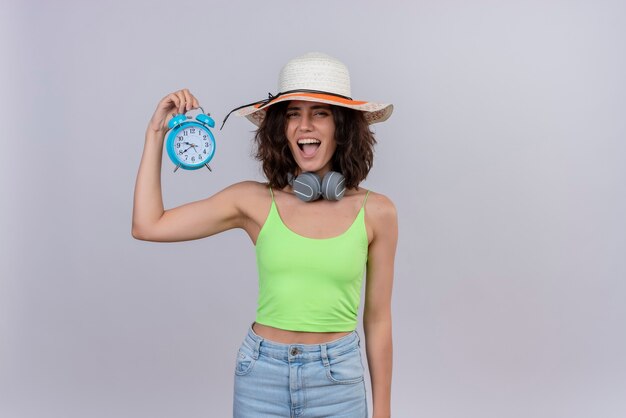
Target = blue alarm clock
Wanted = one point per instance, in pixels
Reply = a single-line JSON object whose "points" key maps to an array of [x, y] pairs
{"points": [[190, 143]]}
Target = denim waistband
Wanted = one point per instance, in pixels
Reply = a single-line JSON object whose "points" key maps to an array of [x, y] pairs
{"points": [[303, 352]]}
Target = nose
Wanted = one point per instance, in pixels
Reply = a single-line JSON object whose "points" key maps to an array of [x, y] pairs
{"points": [[305, 122]]}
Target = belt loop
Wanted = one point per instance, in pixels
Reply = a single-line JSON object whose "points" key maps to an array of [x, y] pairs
{"points": [[257, 348], [324, 355]]}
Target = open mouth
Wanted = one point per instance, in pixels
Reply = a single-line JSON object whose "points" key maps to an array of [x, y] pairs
{"points": [[308, 146]]}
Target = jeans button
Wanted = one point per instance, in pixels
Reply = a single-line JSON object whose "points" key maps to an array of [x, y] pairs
{"points": [[294, 351]]}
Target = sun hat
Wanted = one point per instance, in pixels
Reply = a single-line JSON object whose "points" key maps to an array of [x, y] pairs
{"points": [[314, 77]]}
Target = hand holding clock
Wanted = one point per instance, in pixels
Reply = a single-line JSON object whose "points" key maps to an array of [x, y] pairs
{"points": [[178, 102], [185, 132]]}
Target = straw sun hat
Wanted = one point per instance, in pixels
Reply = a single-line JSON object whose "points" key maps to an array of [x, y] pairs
{"points": [[315, 77]]}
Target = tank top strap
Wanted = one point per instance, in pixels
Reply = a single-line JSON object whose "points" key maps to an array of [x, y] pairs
{"points": [[365, 200], [272, 193]]}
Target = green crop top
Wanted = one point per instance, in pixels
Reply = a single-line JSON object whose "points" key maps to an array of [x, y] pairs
{"points": [[309, 284]]}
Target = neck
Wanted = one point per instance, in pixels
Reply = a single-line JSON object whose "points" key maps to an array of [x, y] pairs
{"points": [[321, 172]]}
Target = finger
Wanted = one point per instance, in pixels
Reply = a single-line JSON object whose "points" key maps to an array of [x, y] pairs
{"points": [[171, 101], [181, 101], [188, 99], [194, 102]]}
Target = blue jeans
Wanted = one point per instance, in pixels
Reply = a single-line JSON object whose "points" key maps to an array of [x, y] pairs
{"points": [[299, 380]]}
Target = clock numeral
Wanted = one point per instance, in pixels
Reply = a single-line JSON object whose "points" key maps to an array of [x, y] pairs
{"points": [[204, 136], [204, 151], [206, 144], [193, 159], [185, 133], [180, 151], [180, 138], [192, 130], [186, 156], [178, 145]]}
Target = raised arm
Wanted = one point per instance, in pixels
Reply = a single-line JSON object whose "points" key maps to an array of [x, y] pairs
{"points": [[377, 310], [193, 220]]}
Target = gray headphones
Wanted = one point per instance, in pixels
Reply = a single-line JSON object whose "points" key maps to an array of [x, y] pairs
{"points": [[308, 186]]}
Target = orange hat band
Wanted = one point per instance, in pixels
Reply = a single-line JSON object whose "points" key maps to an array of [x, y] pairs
{"points": [[315, 94]]}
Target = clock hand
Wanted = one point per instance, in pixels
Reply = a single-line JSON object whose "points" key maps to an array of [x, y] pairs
{"points": [[190, 145]]}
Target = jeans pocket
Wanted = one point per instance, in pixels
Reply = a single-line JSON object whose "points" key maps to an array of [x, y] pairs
{"points": [[345, 368], [245, 362]]}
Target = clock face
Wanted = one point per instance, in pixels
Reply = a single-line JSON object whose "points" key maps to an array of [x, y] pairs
{"points": [[193, 146]]}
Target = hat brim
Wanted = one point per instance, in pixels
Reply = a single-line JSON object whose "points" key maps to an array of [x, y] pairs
{"points": [[374, 112]]}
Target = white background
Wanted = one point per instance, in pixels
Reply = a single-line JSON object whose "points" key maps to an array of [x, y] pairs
{"points": [[504, 156]]}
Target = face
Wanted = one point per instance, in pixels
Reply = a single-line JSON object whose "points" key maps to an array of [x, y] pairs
{"points": [[310, 130]]}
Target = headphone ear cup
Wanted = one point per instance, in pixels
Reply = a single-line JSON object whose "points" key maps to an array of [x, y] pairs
{"points": [[333, 185], [307, 186]]}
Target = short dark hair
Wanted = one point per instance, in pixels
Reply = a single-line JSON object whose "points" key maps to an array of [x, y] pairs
{"points": [[353, 157]]}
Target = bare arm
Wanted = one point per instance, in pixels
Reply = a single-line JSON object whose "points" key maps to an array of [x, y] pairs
{"points": [[377, 310], [191, 221]]}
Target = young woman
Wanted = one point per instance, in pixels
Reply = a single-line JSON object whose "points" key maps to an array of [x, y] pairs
{"points": [[301, 356]]}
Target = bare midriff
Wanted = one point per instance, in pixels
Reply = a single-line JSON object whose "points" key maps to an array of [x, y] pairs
{"points": [[295, 337]]}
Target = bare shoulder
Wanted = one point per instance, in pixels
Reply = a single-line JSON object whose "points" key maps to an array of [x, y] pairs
{"points": [[380, 208], [381, 217], [247, 190], [239, 197], [248, 186], [247, 193], [253, 201]]}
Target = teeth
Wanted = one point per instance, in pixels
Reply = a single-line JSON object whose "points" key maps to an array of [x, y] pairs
{"points": [[308, 141]]}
